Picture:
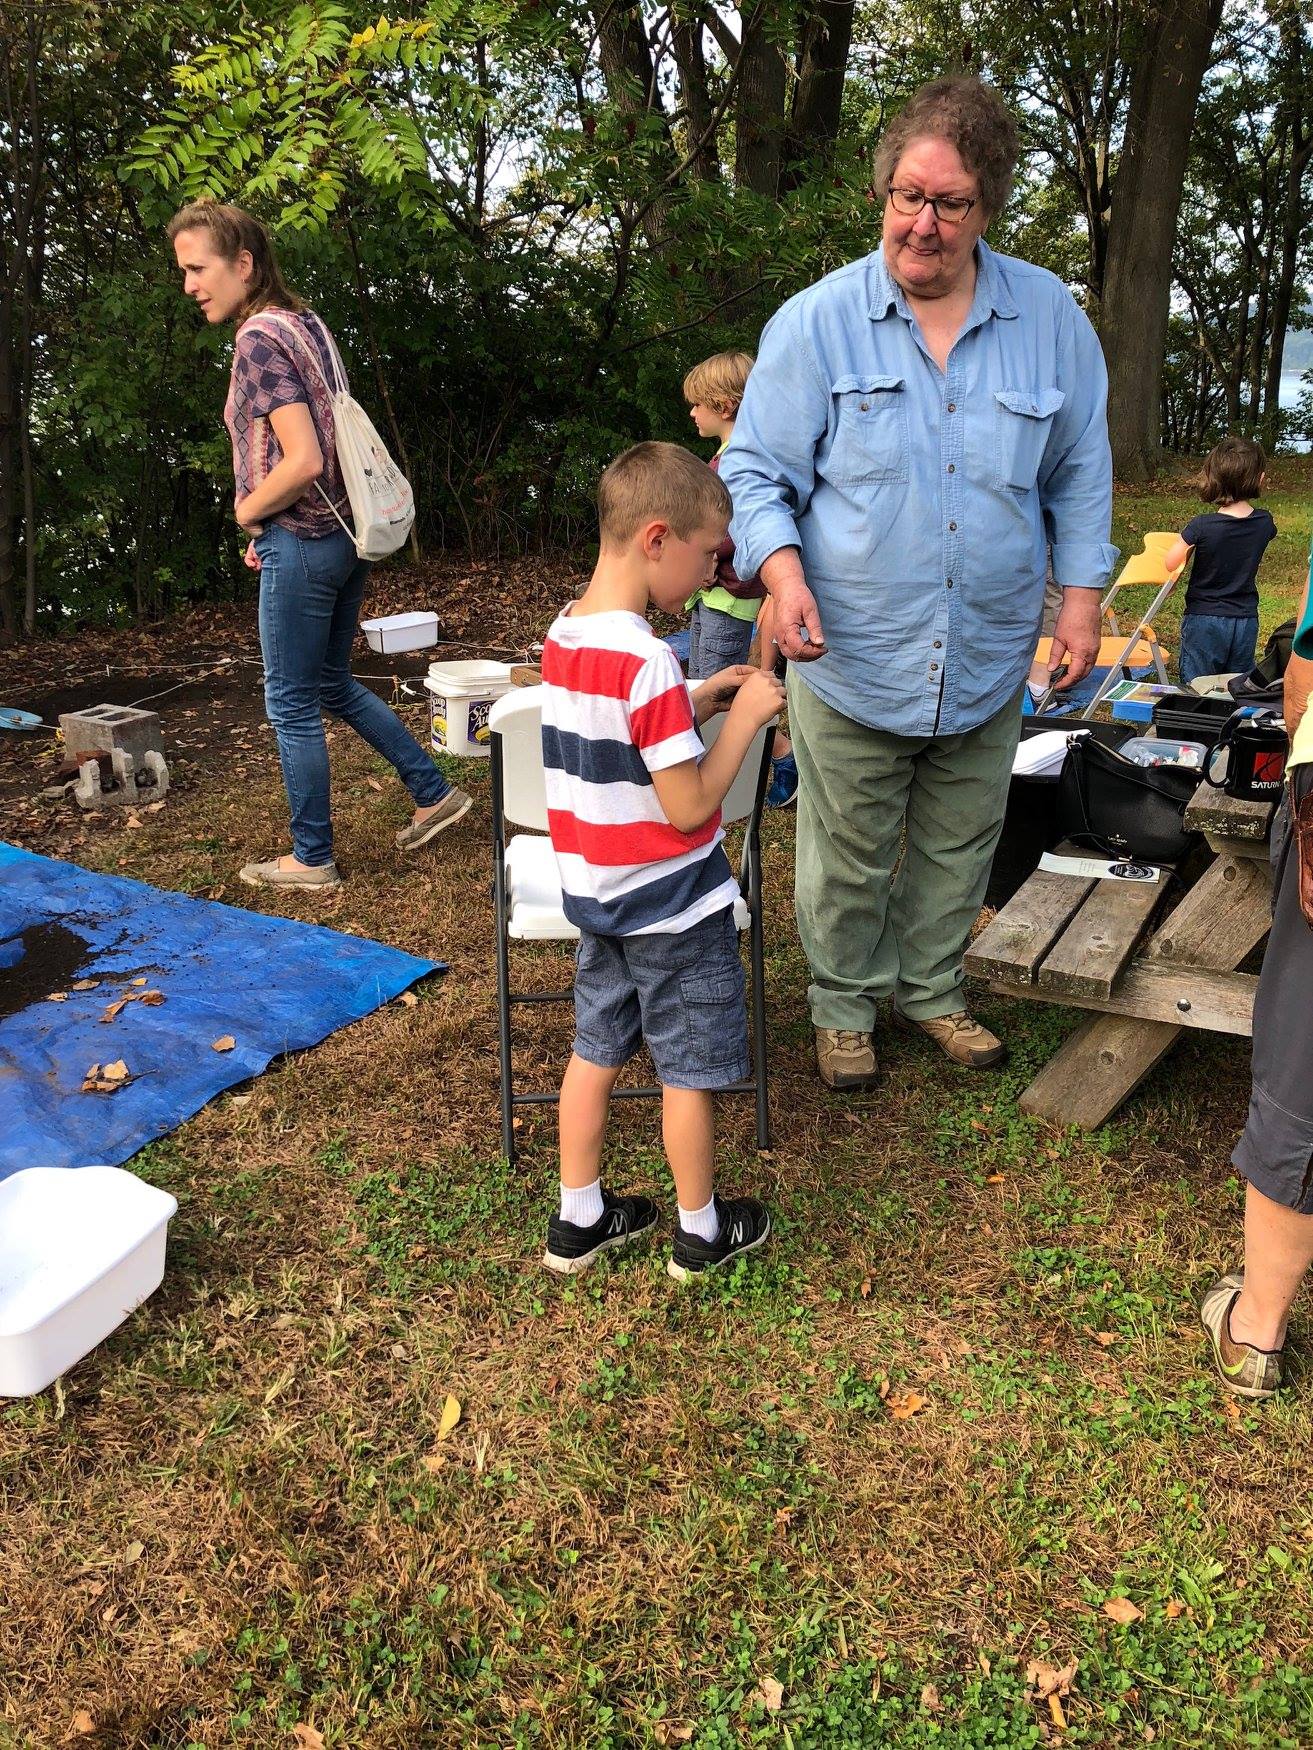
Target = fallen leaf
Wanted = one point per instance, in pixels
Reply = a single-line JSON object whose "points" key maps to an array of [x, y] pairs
{"points": [[140, 981], [1174, 1608], [225, 1043], [116, 1008], [408, 999], [865, 1289], [1122, 1610], [930, 1699], [903, 1405], [449, 1417], [374, 784], [308, 1737], [115, 1072], [995, 1179], [57, 996], [84, 984], [1056, 1714], [134, 1552], [151, 999], [769, 1694], [81, 1723], [433, 1461], [985, 1664], [1048, 1680], [668, 1734], [1105, 1339]]}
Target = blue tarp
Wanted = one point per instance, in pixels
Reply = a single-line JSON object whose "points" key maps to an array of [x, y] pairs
{"points": [[272, 984]]}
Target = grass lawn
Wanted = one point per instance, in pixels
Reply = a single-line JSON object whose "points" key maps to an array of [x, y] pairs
{"points": [[882, 1486]]}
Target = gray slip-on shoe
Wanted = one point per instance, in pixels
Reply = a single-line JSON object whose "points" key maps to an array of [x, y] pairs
{"points": [[454, 806], [271, 874]]}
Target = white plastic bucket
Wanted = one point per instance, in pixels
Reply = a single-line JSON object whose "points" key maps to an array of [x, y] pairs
{"points": [[461, 694], [401, 632]]}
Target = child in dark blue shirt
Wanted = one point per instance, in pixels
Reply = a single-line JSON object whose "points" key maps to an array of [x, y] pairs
{"points": [[1219, 628]]}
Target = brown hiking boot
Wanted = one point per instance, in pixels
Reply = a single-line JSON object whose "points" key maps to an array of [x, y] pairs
{"points": [[845, 1058], [963, 1039]]}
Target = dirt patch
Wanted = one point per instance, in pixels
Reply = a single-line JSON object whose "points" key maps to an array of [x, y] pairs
{"points": [[51, 956]]}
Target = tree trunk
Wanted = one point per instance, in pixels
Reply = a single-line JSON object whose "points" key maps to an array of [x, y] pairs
{"points": [[759, 111], [1142, 232], [818, 103], [631, 85], [701, 147], [10, 414], [1295, 215]]}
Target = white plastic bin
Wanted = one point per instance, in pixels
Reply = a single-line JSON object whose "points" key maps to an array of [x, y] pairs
{"points": [[401, 632], [461, 694], [80, 1248]]}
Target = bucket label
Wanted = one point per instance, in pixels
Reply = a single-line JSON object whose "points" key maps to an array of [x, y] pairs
{"points": [[478, 730], [438, 713]]}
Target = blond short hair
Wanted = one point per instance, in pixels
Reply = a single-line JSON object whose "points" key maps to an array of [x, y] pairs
{"points": [[658, 483], [719, 382]]}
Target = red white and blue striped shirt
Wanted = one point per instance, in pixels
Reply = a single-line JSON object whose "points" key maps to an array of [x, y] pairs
{"points": [[616, 708]]}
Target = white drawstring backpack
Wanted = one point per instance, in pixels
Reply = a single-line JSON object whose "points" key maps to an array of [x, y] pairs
{"points": [[382, 503]]}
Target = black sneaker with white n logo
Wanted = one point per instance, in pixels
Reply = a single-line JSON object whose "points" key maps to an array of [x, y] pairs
{"points": [[571, 1249], [744, 1225]]}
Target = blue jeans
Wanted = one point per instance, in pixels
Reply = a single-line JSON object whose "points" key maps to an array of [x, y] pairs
{"points": [[1216, 644], [716, 641], [310, 594]]}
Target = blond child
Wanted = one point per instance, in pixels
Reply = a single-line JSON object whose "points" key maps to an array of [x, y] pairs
{"points": [[634, 812]]}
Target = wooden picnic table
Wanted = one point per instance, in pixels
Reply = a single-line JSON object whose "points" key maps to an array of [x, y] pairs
{"points": [[1081, 942]]}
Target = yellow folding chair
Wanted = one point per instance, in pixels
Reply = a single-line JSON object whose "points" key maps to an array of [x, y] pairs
{"points": [[1119, 652]]}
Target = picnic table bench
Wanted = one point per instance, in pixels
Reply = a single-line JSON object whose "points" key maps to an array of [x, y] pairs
{"points": [[1087, 943]]}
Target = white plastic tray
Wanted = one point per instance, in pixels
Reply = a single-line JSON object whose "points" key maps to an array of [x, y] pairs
{"points": [[401, 632], [80, 1247]]}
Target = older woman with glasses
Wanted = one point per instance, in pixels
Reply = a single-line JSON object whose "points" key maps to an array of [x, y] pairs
{"points": [[920, 426]]}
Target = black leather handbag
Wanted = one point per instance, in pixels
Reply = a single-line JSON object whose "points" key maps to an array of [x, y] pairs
{"points": [[1108, 803]]}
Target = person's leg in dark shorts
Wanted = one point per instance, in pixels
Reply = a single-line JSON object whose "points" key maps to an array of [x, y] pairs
{"points": [[1245, 1312], [690, 988], [608, 1031]]}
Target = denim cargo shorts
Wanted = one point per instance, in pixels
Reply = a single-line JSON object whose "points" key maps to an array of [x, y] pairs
{"points": [[682, 995]]}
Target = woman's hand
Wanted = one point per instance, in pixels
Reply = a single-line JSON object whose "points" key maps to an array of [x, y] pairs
{"points": [[251, 558], [797, 628], [716, 693], [1076, 636]]}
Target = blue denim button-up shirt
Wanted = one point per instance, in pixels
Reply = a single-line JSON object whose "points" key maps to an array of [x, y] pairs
{"points": [[923, 500]]}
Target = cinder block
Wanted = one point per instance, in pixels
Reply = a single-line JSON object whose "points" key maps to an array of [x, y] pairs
{"points": [[107, 727]]}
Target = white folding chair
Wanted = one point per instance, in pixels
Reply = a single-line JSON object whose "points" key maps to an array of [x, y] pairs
{"points": [[527, 888]]}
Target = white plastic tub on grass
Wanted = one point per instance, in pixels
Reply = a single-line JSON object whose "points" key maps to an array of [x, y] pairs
{"points": [[80, 1248]]}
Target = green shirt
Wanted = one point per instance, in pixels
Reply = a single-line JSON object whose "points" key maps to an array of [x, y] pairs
{"points": [[715, 596]]}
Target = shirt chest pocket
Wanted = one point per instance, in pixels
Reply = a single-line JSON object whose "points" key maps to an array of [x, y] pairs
{"points": [[870, 440], [1023, 419]]}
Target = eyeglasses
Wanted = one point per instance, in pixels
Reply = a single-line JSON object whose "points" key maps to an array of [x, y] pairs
{"points": [[949, 209]]}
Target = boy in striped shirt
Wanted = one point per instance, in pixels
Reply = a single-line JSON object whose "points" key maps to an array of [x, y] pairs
{"points": [[633, 802]]}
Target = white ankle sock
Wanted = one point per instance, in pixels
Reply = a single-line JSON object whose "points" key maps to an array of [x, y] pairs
{"points": [[705, 1223], [582, 1204]]}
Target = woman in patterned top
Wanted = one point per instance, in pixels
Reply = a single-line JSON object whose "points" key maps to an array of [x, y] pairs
{"points": [[292, 502]]}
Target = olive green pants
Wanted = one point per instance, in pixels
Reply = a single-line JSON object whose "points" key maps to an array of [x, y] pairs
{"points": [[875, 923]]}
